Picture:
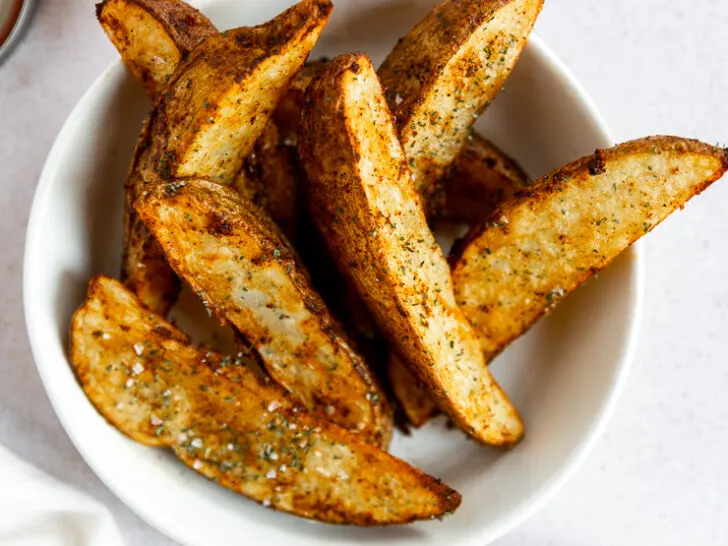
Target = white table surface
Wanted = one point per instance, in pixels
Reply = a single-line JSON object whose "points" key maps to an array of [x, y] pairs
{"points": [[660, 472]]}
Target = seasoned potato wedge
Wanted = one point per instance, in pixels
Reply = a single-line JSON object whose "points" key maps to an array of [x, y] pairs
{"points": [[269, 179], [366, 206], [444, 73], [203, 124], [153, 36], [247, 274], [479, 180], [538, 247], [144, 268], [288, 111], [222, 95], [414, 398], [234, 427]]}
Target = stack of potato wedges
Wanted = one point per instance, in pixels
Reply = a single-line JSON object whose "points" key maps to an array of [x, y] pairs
{"points": [[296, 200]]}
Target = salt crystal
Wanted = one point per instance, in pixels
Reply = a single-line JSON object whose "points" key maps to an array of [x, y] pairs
{"points": [[105, 336], [138, 349], [273, 406], [266, 503], [197, 442], [129, 382], [197, 464], [271, 474], [155, 420], [137, 368]]}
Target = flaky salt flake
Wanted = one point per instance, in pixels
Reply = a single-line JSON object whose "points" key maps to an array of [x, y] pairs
{"points": [[197, 464], [273, 406], [138, 349], [271, 474], [137, 368]]}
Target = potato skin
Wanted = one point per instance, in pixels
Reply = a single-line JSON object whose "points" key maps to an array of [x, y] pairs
{"points": [[153, 36], [365, 204], [247, 274], [444, 73], [480, 179], [540, 245], [234, 427]]}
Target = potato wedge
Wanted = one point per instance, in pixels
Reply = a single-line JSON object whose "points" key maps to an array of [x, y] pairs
{"points": [[288, 111], [269, 179], [233, 427], [207, 113], [543, 244], [153, 36], [480, 179], [232, 256], [366, 206], [414, 398], [222, 95], [444, 73]]}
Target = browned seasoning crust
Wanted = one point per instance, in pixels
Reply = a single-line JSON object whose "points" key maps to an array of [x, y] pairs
{"points": [[536, 248], [480, 179], [444, 73], [153, 36], [234, 258], [233, 427], [366, 206]]}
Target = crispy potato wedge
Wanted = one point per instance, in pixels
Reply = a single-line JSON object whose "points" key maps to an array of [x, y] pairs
{"points": [[236, 428], [540, 246], [207, 113], [153, 36], [269, 179], [444, 73], [366, 206], [222, 95], [232, 256], [413, 397], [479, 180], [144, 268], [288, 111]]}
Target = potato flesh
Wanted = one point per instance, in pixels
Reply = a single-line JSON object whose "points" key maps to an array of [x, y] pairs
{"points": [[367, 208], [540, 246], [233, 427]]}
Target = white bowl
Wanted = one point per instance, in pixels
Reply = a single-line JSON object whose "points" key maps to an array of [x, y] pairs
{"points": [[564, 376]]}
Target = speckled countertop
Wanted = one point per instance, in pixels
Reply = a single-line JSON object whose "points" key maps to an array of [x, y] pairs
{"points": [[659, 475]]}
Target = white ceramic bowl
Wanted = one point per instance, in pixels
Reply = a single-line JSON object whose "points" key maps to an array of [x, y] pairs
{"points": [[564, 376]]}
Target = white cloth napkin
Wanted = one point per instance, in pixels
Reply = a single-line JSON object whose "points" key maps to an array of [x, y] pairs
{"points": [[38, 510]]}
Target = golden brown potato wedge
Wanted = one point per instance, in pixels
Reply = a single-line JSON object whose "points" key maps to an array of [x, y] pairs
{"points": [[221, 97], [479, 180], [414, 398], [366, 206], [233, 427], [219, 81], [538, 247], [153, 36], [269, 179], [444, 73], [232, 256], [288, 111], [144, 268]]}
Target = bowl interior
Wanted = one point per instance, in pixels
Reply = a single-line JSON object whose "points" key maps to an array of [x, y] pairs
{"points": [[562, 376]]}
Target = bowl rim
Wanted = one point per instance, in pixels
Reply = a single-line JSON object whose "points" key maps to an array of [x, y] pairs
{"points": [[538, 498]]}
